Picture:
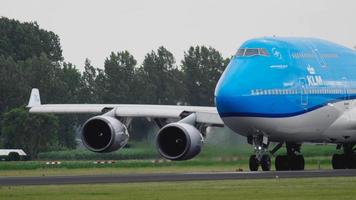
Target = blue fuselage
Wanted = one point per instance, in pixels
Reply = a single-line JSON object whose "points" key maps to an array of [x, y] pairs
{"points": [[293, 76]]}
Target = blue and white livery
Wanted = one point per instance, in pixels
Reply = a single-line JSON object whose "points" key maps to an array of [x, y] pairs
{"points": [[282, 90], [291, 90]]}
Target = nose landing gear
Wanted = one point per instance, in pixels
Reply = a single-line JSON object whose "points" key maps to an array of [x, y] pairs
{"points": [[294, 160], [261, 156]]}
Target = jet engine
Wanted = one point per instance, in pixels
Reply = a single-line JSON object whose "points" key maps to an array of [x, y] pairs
{"points": [[104, 134], [179, 141]]}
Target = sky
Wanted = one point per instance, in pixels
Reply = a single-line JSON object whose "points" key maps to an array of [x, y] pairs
{"points": [[93, 29]]}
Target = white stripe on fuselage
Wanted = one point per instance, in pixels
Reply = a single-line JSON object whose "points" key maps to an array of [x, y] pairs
{"points": [[331, 123]]}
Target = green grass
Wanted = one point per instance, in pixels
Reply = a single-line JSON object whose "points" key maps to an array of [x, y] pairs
{"points": [[39, 168], [140, 159], [306, 188], [149, 151]]}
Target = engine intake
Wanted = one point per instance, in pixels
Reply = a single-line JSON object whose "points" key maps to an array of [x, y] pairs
{"points": [[104, 134], [179, 141]]}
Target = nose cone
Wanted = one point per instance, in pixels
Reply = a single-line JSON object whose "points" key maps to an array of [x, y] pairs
{"points": [[228, 102], [231, 89]]}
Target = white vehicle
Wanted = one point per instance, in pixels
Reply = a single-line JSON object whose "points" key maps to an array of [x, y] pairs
{"points": [[12, 154]]}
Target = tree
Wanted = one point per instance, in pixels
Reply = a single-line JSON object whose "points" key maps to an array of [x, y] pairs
{"points": [[69, 87], [69, 79], [32, 132], [13, 86], [40, 72], [89, 84], [58, 84], [119, 71], [31, 57], [25, 40], [202, 69], [162, 78]]}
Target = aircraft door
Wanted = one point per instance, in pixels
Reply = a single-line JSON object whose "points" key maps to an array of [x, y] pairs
{"points": [[303, 92], [345, 90]]}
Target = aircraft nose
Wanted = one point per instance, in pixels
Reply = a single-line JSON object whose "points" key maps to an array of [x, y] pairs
{"points": [[226, 101], [228, 95], [232, 89]]}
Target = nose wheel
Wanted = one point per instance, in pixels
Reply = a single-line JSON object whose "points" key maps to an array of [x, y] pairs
{"points": [[261, 156], [264, 162], [294, 160], [254, 163]]}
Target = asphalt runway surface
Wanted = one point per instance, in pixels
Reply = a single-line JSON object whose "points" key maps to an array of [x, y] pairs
{"points": [[168, 177]]}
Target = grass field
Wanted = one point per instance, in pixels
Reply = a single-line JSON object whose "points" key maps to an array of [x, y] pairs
{"points": [[39, 168], [130, 161], [144, 150], [308, 188]]}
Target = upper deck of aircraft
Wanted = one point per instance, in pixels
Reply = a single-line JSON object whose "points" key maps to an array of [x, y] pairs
{"points": [[282, 77]]}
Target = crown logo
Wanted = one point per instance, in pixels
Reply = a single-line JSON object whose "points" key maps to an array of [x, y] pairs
{"points": [[311, 70]]}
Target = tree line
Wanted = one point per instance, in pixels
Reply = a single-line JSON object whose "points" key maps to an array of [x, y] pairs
{"points": [[32, 57]]}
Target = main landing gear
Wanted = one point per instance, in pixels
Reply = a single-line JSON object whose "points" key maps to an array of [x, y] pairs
{"points": [[347, 160], [261, 156], [292, 161]]}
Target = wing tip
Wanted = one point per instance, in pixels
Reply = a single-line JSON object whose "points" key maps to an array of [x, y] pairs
{"points": [[35, 99]]}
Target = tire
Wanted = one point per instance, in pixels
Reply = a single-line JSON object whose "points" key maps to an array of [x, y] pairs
{"points": [[266, 163], [297, 162], [253, 164], [281, 163], [301, 162], [13, 156], [351, 162], [338, 161]]}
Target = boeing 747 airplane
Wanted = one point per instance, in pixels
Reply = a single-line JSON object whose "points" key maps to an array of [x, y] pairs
{"points": [[287, 91]]}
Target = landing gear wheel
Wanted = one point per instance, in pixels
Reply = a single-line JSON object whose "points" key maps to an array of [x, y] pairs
{"points": [[266, 163], [281, 163], [253, 163], [301, 162], [352, 162], [297, 162], [338, 161], [346, 160]]}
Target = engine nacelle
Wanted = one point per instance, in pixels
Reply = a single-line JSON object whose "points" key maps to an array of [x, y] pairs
{"points": [[104, 134], [179, 141]]}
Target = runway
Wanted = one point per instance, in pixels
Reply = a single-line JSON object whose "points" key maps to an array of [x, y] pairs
{"points": [[167, 177]]}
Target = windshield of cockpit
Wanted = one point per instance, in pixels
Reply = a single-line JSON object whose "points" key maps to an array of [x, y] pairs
{"points": [[249, 52]]}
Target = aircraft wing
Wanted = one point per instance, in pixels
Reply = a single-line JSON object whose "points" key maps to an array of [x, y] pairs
{"points": [[206, 115]]}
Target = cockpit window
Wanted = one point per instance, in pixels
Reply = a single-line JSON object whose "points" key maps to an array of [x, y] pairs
{"points": [[251, 52], [240, 52], [248, 52], [262, 52]]}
